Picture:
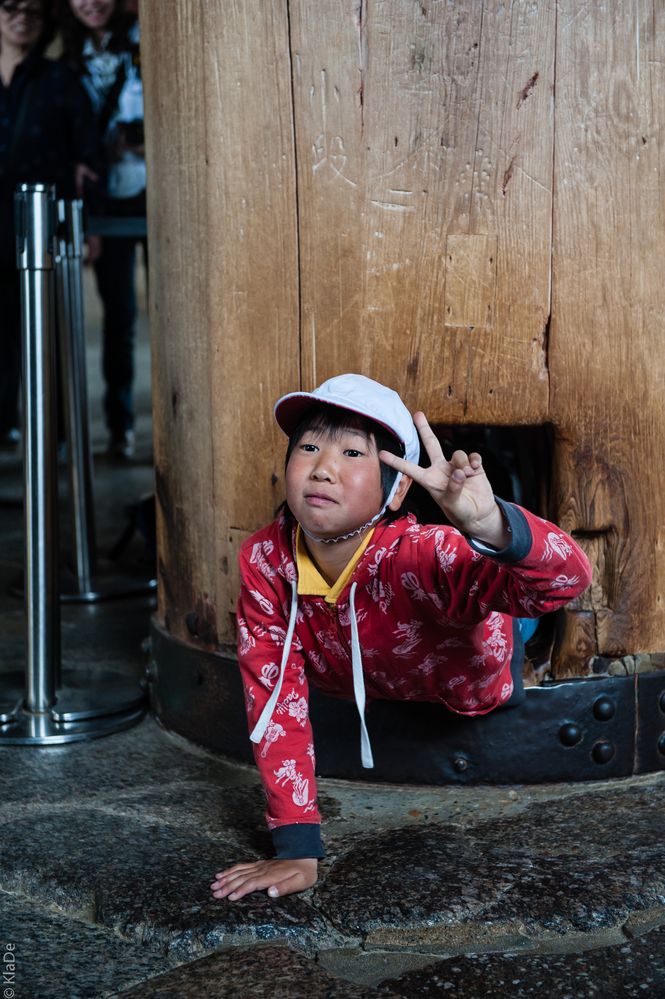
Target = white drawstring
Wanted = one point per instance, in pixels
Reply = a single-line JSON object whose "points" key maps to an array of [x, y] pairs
{"points": [[358, 680], [359, 684], [262, 724]]}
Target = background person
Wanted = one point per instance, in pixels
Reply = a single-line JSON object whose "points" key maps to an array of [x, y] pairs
{"points": [[47, 135], [101, 42]]}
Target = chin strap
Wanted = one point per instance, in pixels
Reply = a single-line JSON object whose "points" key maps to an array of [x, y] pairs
{"points": [[363, 527]]}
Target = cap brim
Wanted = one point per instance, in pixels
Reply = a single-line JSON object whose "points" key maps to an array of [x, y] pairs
{"points": [[290, 411]]}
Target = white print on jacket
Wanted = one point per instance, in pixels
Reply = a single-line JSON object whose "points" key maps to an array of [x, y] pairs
{"points": [[332, 644], [287, 774], [274, 731], [452, 643], [304, 610], [379, 556], [269, 674], [486, 681], [278, 635], [381, 593], [260, 551], [246, 641], [561, 582], [296, 705], [344, 615], [317, 661], [446, 556], [288, 568], [428, 665], [417, 532], [409, 636], [266, 605], [411, 584], [555, 544], [496, 643], [250, 700], [529, 600]]}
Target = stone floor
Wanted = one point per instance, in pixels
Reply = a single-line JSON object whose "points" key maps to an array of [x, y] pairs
{"points": [[108, 848]]}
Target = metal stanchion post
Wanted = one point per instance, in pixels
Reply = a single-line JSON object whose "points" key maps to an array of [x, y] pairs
{"points": [[91, 583], [35, 262], [74, 383], [88, 704]]}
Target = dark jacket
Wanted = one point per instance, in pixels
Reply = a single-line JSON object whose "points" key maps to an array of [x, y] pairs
{"points": [[47, 126]]}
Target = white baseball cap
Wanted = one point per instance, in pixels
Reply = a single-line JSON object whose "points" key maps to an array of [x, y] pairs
{"points": [[357, 394]]}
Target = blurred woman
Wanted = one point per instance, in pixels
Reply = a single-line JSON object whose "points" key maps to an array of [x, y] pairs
{"points": [[47, 135], [101, 41]]}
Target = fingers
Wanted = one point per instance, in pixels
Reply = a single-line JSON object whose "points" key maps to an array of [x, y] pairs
{"points": [[469, 464], [407, 467], [236, 884], [428, 437], [279, 877], [287, 886]]}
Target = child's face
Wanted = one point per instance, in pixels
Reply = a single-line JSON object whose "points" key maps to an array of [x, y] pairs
{"points": [[333, 481]]}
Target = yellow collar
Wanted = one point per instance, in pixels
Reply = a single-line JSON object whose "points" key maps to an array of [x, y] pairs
{"points": [[310, 581]]}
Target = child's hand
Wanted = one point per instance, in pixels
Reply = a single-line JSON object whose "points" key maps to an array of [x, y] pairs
{"points": [[280, 877], [459, 486]]}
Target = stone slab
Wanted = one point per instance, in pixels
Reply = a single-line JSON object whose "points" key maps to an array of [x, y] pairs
{"points": [[628, 970], [259, 973], [147, 880], [57, 955], [572, 867], [142, 757]]}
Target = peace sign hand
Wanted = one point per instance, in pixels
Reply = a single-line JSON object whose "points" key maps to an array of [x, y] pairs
{"points": [[459, 486]]}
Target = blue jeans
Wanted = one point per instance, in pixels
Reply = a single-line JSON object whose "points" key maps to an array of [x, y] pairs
{"points": [[523, 629], [528, 627]]}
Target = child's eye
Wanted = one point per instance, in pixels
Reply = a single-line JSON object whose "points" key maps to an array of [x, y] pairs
{"points": [[351, 452], [310, 448]]}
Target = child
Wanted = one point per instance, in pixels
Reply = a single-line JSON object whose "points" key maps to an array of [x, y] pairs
{"points": [[343, 591]]}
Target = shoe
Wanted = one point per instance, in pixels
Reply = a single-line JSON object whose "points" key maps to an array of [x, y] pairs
{"points": [[121, 446]]}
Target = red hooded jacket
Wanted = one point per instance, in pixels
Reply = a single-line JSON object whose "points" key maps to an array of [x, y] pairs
{"points": [[426, 615]]}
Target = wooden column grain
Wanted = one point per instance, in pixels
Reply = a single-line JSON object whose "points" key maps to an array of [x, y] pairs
{"points": [[607, 354], [463, 200], [224, 288], [417, 124], [175, 139]]}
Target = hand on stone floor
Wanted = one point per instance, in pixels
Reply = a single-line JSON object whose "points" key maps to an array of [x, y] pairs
{"points": [[279, 877]]}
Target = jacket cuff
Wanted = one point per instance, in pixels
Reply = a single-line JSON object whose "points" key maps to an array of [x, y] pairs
{"points": [[298, 842], [518, 526]]}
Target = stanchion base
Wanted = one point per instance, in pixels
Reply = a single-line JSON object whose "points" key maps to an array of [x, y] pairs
{"points": [[107, 587], [87, 706], [111, 585]]}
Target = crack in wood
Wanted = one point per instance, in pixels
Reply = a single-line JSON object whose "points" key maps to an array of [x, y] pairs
{"points": [[525, 92]]}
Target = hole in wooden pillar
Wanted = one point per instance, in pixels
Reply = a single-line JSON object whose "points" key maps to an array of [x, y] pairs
{"points": [[517, 460], [518, 463]]}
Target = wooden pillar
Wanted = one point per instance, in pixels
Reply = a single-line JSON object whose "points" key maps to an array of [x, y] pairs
{"points": [[607, 349], [223, 289], [459, 199]]}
